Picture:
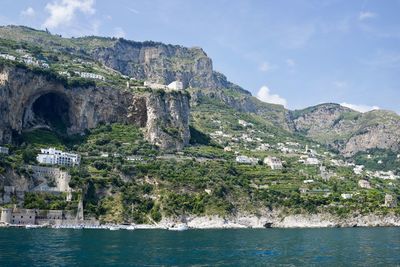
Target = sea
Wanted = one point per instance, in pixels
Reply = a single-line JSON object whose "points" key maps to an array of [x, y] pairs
{"points": [[230, 247]]}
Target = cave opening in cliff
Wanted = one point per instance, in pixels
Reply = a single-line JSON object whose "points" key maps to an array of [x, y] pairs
{"points": [[52, 110]]}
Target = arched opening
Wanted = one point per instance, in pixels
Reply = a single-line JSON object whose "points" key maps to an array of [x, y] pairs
{"points": [[50, 110]]}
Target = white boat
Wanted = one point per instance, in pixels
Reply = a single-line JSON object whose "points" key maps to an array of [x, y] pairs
{"points": [[114, 228], [180, 227], [130, 227], [31, 226]]}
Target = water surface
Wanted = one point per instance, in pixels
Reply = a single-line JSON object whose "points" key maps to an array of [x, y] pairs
{"points": [[289, 247]]}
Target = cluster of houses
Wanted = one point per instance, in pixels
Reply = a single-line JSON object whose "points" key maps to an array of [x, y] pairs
{"points": [[27, 59]]}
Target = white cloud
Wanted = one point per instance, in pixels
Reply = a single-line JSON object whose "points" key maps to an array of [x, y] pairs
{"points": [[29, 12], [266, 66], [360, 108], [62, 12], [264, 94], [364, 15], [290, 62], [133, 10], [119, 32]]}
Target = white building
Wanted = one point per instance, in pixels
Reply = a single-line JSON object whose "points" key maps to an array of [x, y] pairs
{"points": [[263, 147], [364, 184], [57, 157], [8, 57], [153, 85], [245, 123], [390, 201], [175, 85], [134, 158], [89, 75], [312, 161], [273, 162], [246, 160], [4, 150], [346, 196], [358, 169], [308, 181]]}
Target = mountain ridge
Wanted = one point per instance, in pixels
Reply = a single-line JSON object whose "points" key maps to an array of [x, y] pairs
{"points": [[341, 128]]}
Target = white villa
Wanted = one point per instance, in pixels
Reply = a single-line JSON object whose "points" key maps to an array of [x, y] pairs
{"points": [[312, 161], [57, 157], [246, 160], [358, 169], [175, 85], [347, 196], [89, 75], [8, 57], [390, 201], [364, 184], [4, 150], [273, 162]]}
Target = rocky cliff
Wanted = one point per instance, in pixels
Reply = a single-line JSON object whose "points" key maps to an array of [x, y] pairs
{"points": [[29, 99], [154, 61], [347, 130], [162, 63]]}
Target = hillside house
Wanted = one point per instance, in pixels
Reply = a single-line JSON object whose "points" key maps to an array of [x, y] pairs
{"points": [[246, 160], [312, 161], [390, 201], [273, 162], [52, 156], [358, 169], [8, 57], [175, 85], [346, 196], [364, 184]]}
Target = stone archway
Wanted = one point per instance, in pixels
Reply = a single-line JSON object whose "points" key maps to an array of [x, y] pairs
{"points": [[48, 110]]}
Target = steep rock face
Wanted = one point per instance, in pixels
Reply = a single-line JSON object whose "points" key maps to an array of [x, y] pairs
{"points": [[317, 121], [347, 130], [162, 63], [85, 108], [168, 120]]}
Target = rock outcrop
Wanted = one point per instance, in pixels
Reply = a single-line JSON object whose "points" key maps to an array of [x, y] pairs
{"points": [[347, 130], [164, 116], [162, 63]]}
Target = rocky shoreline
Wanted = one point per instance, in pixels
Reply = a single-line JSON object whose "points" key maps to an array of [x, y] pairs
{"points": [[290, 221], [273, 220]]}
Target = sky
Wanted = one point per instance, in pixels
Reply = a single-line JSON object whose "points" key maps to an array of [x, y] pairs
{"points": [[296, 53]]}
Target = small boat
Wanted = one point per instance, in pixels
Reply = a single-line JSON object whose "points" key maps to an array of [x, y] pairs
{"points": [[114, 228], [31, 226], [180, 227], [130, 227]]}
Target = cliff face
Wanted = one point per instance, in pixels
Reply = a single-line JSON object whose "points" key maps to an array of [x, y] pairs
{"points": [[347, 130], [31, 100], [162, 63]]}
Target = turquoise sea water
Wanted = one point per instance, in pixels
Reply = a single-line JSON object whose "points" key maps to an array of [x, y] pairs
{"points": [[288, 247]]}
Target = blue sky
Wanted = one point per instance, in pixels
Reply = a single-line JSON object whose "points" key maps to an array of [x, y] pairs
{"points": [[297, 53]]}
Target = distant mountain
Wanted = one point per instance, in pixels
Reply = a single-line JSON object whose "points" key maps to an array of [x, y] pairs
{"points": [[347, 130]]}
